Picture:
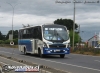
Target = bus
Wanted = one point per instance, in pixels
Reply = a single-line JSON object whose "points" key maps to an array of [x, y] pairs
{"points": [[50, 39]]}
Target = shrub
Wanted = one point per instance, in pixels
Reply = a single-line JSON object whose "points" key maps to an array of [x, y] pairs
{"points": [[7, 42], [1, 42]]}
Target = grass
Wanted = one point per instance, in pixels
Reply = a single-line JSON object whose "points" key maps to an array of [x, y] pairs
{"points": [[86, 51], [9, 46]]}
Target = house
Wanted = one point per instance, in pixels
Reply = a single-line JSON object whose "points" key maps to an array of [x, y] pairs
{"points": [[93, 41]]}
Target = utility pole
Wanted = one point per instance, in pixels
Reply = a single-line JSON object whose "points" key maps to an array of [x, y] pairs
{"points": [[73, 24], [79, 37], [12, 16]]}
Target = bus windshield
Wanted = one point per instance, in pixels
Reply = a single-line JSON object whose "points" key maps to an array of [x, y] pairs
{"points": [[55, 33]]}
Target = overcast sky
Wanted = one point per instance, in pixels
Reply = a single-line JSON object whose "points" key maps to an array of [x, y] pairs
{"points": [[37, 12]]}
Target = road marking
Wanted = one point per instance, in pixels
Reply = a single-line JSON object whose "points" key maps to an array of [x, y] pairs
{"points": [[13, 61], [57, 62], [3, 63], [84, 55], [5, 52], [97, 60]]}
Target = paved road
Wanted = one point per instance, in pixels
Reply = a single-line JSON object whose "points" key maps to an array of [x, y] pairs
{"points": [[72, 63]]}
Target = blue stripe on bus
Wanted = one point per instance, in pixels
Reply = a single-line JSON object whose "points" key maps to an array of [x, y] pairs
{"points": [[27, 43]]}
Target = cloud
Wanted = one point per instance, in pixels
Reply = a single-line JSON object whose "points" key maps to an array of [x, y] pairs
{"points": [[37, 12], [88, 18]]}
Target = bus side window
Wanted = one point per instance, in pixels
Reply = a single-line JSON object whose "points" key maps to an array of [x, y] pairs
{"points": [[24, 34], [36, 33], [33, 33], [29, 33], [39, 33]]}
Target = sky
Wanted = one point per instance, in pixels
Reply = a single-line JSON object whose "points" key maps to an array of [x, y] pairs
{"points": [[38, 12]]}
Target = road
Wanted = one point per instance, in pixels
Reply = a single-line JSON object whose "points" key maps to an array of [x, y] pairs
{"points": [[73, 63]]}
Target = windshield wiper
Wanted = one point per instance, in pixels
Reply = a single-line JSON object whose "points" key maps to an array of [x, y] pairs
{"points": [[55, 33], [59, 35]]}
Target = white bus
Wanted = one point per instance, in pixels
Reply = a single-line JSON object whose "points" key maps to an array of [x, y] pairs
{"points": [[44, 40]]}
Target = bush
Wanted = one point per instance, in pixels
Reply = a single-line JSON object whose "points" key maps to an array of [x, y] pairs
{"points": [[15, 41], [82, 52], [7, 42], [96, 51], [1, 42]]}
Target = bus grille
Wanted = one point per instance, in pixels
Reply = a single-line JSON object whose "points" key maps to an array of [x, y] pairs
{"points": [[57, 46]]}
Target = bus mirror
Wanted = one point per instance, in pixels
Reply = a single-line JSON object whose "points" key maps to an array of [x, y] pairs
{"points": [[68, 31]]}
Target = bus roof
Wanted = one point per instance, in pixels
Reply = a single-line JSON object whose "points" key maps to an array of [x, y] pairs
{"points": [[25, 27]]}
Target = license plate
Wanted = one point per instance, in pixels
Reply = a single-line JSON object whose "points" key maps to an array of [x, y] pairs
{"points": [[57, 50]]}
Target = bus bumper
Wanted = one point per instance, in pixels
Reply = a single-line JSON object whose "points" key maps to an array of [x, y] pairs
{"points": [[54, 51]]}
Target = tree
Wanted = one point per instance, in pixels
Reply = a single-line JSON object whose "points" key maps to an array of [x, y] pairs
{"points": [[9, 32], [1, 36], [77, 37], [66, 22], [15, 34]]}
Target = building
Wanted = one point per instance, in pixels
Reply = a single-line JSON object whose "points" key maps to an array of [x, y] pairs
{"points": [[93, 41]]}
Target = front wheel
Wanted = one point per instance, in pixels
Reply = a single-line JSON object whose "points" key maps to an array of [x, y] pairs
{"points": [[62, 55], [40, 54]]}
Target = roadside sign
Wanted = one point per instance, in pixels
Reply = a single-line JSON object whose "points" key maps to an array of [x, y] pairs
{"points": [[10, 37], [11, 43]]}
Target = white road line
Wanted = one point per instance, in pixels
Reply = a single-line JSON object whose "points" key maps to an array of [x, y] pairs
{"points": [[58, 62], [5, 52], [13, 61], [85, 55], [3, 63], [97, 60]]}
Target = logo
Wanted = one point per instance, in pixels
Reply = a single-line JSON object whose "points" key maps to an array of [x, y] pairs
{"points": [[5, 68], [8, 68]]}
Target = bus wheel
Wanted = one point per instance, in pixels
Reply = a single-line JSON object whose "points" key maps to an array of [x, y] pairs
{"points": [[40, 54], [25, 51], [62, 55]]}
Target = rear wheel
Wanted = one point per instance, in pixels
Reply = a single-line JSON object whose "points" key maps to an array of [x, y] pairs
{"points": [[25, 51], [62, 55]]}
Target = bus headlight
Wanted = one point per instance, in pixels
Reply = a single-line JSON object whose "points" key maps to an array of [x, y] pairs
{"points": [[65, 51], [49, 51]]}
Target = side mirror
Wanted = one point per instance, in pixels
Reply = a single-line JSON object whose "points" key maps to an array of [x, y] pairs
{"points": [[68, 31]]}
